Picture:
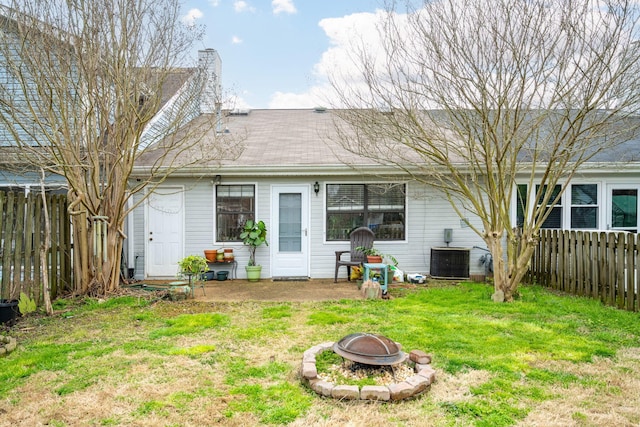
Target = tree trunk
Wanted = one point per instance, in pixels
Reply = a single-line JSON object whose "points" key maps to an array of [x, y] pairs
{"points": [[502, 287], [508, 271], [44, 249]]}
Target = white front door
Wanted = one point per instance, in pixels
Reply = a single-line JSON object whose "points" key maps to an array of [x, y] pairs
{"points": [[165, 231], [623, 204], [290, 231]]}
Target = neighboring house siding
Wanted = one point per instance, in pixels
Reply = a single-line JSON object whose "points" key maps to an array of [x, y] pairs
{"points": [[179, 110], [31, 179], [136, 258]]}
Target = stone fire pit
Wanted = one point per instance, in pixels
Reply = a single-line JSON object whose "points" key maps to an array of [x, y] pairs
{"points": [[412, 386]]}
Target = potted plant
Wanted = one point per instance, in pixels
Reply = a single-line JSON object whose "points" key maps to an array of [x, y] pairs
{"points": [[254, 234], [193, 265], [8, 307], [374, 256], [8, 311]]}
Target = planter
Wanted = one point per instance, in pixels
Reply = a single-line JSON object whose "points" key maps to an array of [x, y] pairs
{"points": [[8, 311], [374, 259], [210, 255], [208, 275], [222, 275], [253, 272]]}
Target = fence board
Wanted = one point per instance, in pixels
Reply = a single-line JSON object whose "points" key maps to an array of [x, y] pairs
{"points": [[7, 239], [612, 264], [579, 261], [619, 271], [631, 270], [604, 267]]}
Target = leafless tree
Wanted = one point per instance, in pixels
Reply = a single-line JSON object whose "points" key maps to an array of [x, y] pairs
{"points": [[83, 83], [476, 96]]}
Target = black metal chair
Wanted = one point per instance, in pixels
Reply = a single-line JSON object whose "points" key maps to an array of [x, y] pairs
{"points": [[362, 236]]}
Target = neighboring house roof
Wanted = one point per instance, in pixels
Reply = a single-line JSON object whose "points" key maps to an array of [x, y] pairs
{"points": [[173, 81]]}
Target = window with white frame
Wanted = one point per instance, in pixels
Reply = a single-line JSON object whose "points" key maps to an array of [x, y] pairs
{"points": [[584, 206], [380, 207], [583, 201], [234, 205], [554, 220]]}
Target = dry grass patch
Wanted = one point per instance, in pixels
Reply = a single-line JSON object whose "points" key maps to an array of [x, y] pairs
{"points": [[613, 398]]}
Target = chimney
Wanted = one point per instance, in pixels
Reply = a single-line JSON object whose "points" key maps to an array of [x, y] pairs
{"points": [[210, 64]]}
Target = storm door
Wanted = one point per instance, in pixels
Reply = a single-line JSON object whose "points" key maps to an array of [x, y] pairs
{"points": [[290, 231]]}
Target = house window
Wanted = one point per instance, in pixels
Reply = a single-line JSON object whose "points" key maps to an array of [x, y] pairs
{"points": [[381, 207], [554, 220], [521, 207], [234, 205], [584, 206], [624, 209]]}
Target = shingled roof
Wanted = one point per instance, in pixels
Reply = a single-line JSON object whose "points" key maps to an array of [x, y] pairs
{"points": [[293, 142], [268, 142]]}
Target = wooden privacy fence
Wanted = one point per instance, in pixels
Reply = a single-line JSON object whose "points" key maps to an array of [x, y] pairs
{"points": [[600, 265], [22, 233]]}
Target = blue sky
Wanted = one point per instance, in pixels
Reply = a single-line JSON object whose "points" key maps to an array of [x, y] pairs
{"points": [[274, 51]]}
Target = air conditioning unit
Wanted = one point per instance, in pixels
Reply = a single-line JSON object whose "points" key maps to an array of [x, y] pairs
{"points": [[450, 263]]}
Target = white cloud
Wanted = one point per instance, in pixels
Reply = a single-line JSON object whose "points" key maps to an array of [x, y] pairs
{"points": [[236, 102], [214, 3], [283, 6], [191, 17], [242, 6], [314, 97], [236, 40], [346, 35]]}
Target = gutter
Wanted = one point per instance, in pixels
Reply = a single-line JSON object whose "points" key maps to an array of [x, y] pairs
{"points": [[358, 170]]}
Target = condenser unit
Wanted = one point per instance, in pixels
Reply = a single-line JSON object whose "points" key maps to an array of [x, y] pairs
{"points": [[450, 263]]}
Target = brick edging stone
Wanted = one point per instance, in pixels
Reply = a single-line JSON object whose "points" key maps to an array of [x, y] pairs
{"points": [[7, 345]]}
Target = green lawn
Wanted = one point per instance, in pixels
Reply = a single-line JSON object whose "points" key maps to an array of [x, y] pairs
{"points": [[136, 361]]}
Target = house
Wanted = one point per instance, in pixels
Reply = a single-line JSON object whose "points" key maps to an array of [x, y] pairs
{"points": [[311, 193]]}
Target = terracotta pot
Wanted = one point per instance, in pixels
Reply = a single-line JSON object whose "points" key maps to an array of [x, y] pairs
{"points": [[374, 259], [210, 254]]}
